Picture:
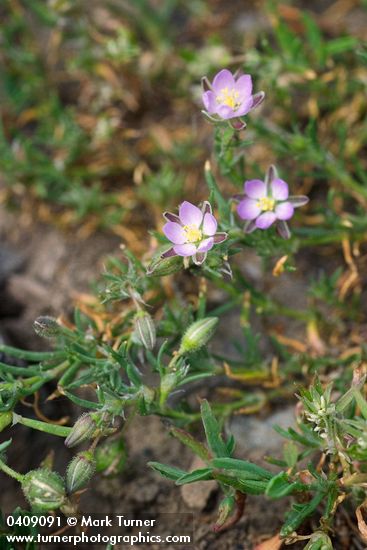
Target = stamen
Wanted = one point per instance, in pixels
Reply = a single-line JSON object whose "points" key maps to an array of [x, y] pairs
{"points": [[266, 204], [229, 98], [193, 234]]}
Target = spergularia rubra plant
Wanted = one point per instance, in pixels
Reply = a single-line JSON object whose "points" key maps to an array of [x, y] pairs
{"points": [[193, 232], [266, 202]]}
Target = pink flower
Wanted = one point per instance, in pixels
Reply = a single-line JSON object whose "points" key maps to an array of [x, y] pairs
{"points": [[266, 202], [192, 232], [228, 98]]}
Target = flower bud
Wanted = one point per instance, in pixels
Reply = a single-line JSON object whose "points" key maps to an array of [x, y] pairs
{"points": [[319, 541], [44, 489], [80, 471], [359, 376], [198, 334], [168, 383], [111, 457], [225, 510], [83, 429], [145, 399], [46, 327], [144, 329], [6, 418], [165, 266]]}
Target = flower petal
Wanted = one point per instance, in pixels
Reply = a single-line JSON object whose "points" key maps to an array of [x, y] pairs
{"points": [[174, 232], [279, 189], [209, 225], [210, 102], [244, 108], [224, 79], [255, 189], [206, 245], [220, 238], [284, 210], [248, 209], [190, 214], [298, 200], [283, 230], [225, 112], [185, 249], [244, 86], [265, 220]]}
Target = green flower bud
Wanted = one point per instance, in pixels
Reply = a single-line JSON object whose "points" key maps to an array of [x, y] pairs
{"points": [[83, 429], [169, 382], [80, 471], [144, 329], [44, 489], [198, 334], [225, 510], [47, 327], [6, 418], [148, 394], [319, 541], [111, 457], [165, 266]]}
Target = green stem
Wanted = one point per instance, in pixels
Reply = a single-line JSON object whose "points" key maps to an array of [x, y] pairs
{"points": [[34, 356], [218, 409], [262, 302], [19, 371], [335, 170], [59, 369], [61, 431], [12, 473]]}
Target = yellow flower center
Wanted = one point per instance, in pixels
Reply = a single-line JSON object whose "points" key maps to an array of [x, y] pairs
{"points": [[266, 204], [193, 234], [229, 97]]}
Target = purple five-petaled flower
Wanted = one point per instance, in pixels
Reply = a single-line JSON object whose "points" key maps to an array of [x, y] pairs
{"points": [[192, 232], [266, 202], [229, 98]]}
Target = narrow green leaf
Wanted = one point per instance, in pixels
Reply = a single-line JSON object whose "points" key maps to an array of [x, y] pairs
{"points": [[362, 403], [224, 206], [290, 453], [250, 486], [241, 466], [231, 444], [82, 402], [133, 374], [341, 45], [212, 431], [34, 356], [4, 445], [202, 474], [345, 400], [299, 513], [187, 439], [167, 471], [194, 378], [280, 486]]}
